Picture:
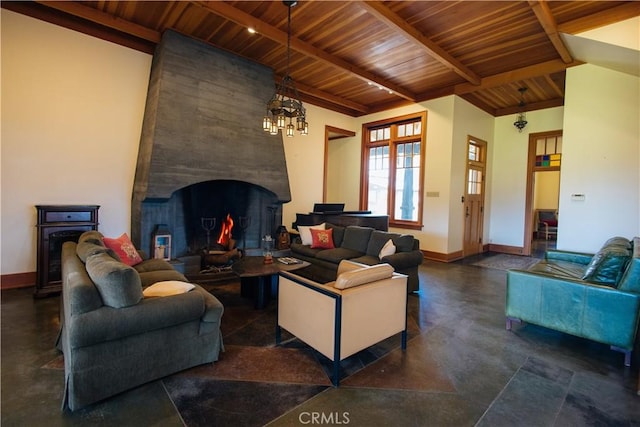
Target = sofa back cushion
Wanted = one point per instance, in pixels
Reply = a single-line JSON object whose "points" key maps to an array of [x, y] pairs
{"points": [[404, 243], [377, 241], [92, 236], [630, 280], [118, 284], [608, 264], [338, 234], [87, 248], [363, 275], [357, 238]]}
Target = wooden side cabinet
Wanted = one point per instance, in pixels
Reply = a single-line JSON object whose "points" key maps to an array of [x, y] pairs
{"points": [[56, 225]]}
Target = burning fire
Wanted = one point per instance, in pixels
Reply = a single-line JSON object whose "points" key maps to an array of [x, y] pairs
{"points": [[225, 231]]}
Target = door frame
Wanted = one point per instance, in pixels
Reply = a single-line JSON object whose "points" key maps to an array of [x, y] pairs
{"points": [[331, 133], [531, 170], [484, 147]]}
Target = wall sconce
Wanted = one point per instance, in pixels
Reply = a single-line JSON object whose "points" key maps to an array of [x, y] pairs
{"points": [[521, 118]]}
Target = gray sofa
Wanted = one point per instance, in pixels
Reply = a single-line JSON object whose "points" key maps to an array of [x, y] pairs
{"points": [[113, 337], [361, 245]]}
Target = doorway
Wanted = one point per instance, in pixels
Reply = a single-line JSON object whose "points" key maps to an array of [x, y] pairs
{"points": [[474, 196], [543, 188]]}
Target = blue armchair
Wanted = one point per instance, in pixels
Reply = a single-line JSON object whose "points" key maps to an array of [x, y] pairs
{"points": [[591, 296]]}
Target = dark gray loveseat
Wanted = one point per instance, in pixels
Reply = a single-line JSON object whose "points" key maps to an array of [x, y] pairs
{"points": [[117, 339], [361, 245]]}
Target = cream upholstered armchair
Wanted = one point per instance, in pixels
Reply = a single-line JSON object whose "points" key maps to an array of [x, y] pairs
{"points": [[365, 305]]}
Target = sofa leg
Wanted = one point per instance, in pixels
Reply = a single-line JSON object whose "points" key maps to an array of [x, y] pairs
{"points": [[627, 354], [510, 321]]}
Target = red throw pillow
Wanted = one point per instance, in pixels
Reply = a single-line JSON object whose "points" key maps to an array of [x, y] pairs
{"points": [[322, 239], [125, 250], [551, 222]]}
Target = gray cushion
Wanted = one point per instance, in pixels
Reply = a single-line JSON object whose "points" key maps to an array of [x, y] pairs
{"points": [[377, 240], [338, 234], [404, 243], [356, 238], [148, 278], [338, 254], [118, 284], [153, 264], [87, 248], [306, 250], [92, 236]]}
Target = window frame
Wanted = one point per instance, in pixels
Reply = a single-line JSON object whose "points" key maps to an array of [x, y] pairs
{"points": [[392, 143]]}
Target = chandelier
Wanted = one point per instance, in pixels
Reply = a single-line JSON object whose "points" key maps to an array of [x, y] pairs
{"points": [[521, 118], [284, 108]]}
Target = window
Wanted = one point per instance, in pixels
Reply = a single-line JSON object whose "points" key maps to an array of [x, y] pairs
{"points": [[393, 169], [548, 152]]}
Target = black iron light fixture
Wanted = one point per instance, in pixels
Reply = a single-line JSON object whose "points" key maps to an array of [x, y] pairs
{"points": [[284, 108], [521, 118]]}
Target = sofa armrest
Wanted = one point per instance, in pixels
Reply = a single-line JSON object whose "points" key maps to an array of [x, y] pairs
{"points": [[107, 323], [402, 260], [577, 257]]}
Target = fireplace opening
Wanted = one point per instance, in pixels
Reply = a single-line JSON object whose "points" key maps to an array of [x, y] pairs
{"points": [[216, 221]]}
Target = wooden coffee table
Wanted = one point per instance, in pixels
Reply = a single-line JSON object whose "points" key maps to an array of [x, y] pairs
{"points": [[257, 278]]}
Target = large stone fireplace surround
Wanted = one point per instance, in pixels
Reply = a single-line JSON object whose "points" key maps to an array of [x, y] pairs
{"points": [[203, 153]]}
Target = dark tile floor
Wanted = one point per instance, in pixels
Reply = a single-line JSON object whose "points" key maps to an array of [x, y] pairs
{"points": [[461, 368]]}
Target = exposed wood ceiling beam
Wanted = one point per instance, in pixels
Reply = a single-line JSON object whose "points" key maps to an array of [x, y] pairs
{"points": [[273, 33], [391, 19], [557, 89], [93, 15], [545, 17], [496, 80], [609, 16]]}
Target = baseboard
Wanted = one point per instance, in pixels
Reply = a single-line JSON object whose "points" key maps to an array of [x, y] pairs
{"points": [[514, 250], [18, 280], [437, 256]]}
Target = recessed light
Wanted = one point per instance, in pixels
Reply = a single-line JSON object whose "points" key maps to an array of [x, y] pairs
{"points": [[251, 30]]}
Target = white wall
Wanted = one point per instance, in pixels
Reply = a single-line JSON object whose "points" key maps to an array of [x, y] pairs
{"points": [[343, 172], [72, 109], [600, 158], [508, 180], [469, 121], [546, 190]]}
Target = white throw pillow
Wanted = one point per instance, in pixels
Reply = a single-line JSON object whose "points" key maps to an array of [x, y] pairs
{"points": [[305, 232], [167, 288], [363, 275], [388, 249]]}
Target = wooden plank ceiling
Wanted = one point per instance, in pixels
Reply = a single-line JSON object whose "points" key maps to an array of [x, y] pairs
{"points": [[359, 57]]}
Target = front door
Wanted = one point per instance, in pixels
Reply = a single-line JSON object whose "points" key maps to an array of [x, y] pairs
{"points": [[474, 196]]}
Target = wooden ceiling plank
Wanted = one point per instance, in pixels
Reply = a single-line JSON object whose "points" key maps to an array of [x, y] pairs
{"points": [[391, 19], [615, 14], [328, 97], [545, 17], [273, 33], [104, 19], [556, 102], [536, 70]]}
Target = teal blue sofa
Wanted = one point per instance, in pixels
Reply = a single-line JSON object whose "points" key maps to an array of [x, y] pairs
{"points": [[594, 296]]}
